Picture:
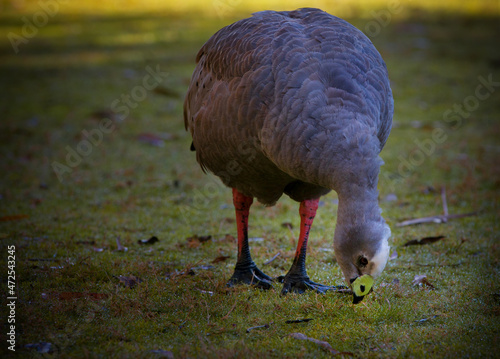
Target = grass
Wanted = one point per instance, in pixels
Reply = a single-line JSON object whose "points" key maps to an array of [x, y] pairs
{"points": [[64, 81]]}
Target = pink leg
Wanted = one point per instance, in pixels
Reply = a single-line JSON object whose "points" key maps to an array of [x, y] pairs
{"points": [[296, 279], [246, 270], [242, 205], [307, 211]]}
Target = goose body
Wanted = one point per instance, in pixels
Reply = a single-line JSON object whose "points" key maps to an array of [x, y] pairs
{"points": [[298, 103]]}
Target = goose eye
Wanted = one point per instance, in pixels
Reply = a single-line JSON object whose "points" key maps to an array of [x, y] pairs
{"points": [[363, 262]]}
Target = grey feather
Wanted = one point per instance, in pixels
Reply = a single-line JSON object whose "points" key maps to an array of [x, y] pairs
{"points": [[304, 88], [292, 102]]}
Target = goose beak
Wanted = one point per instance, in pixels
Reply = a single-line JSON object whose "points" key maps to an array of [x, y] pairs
{"points": [[356, 299], [361, 286]]}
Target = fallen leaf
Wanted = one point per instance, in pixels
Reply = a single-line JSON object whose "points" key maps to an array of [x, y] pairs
{"points": [[106, 114], [203, 239], [229, 238], [422, 280], [151, 240], [87, 243], [97, 249], [305, 320], [35, 202], [422, 241], [220, 259], [166, 92], [154, 139], [394, 255], [151, 139], [195, 241], [324, 345], [14, 217], [130, 282], [177, 273], [287, 225], [428, 190], [426, 319], [395, 281]]}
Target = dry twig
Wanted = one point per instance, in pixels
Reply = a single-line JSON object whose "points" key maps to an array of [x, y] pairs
{"points": [[259, 326], [439, 218], [272, 259]]}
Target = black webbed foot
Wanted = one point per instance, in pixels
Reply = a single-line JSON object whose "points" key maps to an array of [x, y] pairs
{"points": [[250, 275], [297, 283]]}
